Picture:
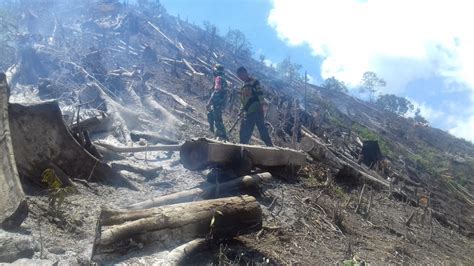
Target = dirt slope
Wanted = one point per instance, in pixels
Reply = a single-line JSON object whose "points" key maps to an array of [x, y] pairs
{"points": [[132, 62]]}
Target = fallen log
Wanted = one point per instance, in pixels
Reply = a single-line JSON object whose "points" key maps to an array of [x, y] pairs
{"points": [[178, 255], [190, 118], [105, 89], [13, 206], [40, 138], [203, 193], [166, 37], [140, 148], [177, 99], [180, 223], [191, 68], [103, 123], [147, 172], [150, 137], [203, 153], [323, 152]]}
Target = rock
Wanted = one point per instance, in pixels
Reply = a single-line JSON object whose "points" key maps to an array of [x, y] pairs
{"points": [[37, 262], [57, 250], [14, 246]]}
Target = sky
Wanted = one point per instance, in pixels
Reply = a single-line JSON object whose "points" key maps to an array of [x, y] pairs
{"points": [[423, 49]]}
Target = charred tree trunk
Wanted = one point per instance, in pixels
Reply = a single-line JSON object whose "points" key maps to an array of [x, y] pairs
{"points": [[40, 138], [370, 154]]}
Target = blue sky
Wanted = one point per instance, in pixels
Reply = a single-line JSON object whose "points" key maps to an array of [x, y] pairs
{"points": [[249, 16], [423, 48]]}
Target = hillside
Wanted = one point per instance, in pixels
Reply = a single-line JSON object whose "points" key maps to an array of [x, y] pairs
{"points": [[148, 72]]}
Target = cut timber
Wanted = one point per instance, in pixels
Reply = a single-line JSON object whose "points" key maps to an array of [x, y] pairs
{"points": [[203, 153], [150, 137], [177, 99], [181, 223], [13, 206], [147, 172], [162, 34], [191, 68], [190, 118], [40, 138], [140, 148], [178, 255], [203, 193], [346, 168], [322, 152]]}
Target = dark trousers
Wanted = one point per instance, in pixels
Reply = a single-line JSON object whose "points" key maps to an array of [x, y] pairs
{"points": [[214, 117], [248, 124]]}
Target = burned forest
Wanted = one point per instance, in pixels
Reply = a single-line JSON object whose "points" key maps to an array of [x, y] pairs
{"points": [[106, 154]]}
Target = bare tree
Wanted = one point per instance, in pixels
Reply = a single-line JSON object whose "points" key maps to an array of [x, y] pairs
{"points": [[370, 84], [238, 43], [289, 70]]}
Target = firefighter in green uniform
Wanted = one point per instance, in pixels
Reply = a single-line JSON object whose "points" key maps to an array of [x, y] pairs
{"points": [[252, 104], [216, 104]]}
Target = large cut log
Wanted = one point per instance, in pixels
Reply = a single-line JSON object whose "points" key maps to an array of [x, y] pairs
{"points": [[40, 138], [180, 223], [13, 206], [203, 153], [203, 193]]}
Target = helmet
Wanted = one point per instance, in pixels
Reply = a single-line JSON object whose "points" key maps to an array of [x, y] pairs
{"points": [[218, 70]]}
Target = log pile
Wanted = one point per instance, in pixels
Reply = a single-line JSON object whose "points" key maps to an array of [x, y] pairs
{"points": [[177, 224], [184, 220]]}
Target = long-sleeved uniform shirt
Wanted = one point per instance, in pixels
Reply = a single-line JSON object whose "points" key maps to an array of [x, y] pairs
{"points": [[251, 96]]}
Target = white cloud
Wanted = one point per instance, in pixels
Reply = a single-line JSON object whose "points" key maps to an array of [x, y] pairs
{"points": [[268, 63], [464, 129], [311, 79], [426, 37], [402, 41], [427, 112]]}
